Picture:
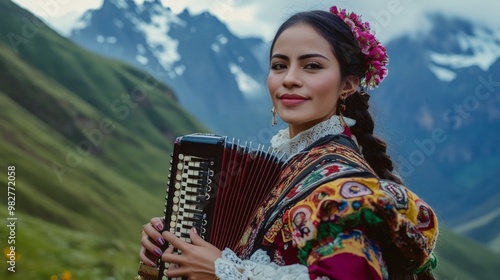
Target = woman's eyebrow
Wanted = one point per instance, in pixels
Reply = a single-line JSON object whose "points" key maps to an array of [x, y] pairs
{"points": [[281, 56], [302, 57], [306, 56]]}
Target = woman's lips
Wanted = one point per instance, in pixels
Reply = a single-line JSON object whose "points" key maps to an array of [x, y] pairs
{"points": [[291, 99]]}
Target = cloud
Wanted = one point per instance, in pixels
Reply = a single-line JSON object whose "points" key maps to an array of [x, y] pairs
{"points": [[390, 18], [261, 18], [48, 10]]}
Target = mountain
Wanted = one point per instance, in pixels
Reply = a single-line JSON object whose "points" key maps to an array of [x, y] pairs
{"points": [[214, 73], [438, 108], [89, 138], [442, 102]]}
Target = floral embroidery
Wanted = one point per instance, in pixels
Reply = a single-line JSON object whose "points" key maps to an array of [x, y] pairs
{"points": [[367, 204], [296, 167], [327, 203], [354, 189], [397, 192]]}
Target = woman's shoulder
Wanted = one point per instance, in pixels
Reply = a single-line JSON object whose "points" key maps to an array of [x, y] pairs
{"points": [[388, 211]]}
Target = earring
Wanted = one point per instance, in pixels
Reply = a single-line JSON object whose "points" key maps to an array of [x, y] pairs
{"points": [[274, 122], [342, 107]]}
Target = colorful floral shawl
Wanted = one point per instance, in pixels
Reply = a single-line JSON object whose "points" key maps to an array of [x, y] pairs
{"points": [[331, 213]]}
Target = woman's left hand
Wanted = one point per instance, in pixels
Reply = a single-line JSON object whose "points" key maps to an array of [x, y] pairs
{"points": [[197, 260]]}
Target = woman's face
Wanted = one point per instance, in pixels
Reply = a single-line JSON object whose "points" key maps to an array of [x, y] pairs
{"points": [[305, 79]]}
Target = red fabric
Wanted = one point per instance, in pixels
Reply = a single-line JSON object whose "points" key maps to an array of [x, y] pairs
{"points": [[347, 131], [288, 255], [343, 267]]}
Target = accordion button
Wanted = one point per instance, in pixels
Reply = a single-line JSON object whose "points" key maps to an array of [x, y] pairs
{"points": [[180, 166], [181, 156]]}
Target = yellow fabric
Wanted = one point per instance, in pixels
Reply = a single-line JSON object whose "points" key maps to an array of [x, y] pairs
{"points": [[409, 221]]}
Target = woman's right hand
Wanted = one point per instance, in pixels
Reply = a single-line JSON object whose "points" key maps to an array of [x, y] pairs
{"points": [[152, 241]]}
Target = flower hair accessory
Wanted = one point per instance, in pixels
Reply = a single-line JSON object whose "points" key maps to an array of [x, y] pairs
{"points": [[374, 51]]}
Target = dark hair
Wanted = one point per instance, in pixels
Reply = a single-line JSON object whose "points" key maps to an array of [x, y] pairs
{"points": [[352, 63]]}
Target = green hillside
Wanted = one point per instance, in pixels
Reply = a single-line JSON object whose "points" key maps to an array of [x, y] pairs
{"points": [[90, 140], [463, 259]]}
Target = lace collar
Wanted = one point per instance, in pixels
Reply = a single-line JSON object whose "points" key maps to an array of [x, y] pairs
{"points": [[282, 142]]}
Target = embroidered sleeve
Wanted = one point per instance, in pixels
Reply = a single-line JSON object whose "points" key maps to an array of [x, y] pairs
{"points": [[258, 267], [337, 224]]}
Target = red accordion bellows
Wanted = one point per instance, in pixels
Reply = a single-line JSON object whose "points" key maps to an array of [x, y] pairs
{"points": [[216, 185]]}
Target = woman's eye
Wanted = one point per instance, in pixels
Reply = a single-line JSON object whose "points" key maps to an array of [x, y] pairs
{"points": [[312, 66], [278, 66]]}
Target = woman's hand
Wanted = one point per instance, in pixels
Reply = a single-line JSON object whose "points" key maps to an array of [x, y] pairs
{"points": [[197, 260], [151, 241]]}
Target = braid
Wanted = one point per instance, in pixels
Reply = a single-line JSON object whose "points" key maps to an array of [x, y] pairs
{"points": [[374, 149]]}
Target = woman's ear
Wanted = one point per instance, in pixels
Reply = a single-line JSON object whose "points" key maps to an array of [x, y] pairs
{"points": [[350, 85]]}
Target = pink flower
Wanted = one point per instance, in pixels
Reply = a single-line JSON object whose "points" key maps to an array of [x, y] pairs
{"points": [[376, 64], [365, 50], [368, 76], [375, 53], [350, 23], [354, 17]]}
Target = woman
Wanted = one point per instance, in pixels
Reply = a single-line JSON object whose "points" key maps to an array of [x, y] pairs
{"points": [[338, 211]]}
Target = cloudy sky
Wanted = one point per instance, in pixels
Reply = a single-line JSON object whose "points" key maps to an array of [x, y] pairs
{"points": [[258, 17]]}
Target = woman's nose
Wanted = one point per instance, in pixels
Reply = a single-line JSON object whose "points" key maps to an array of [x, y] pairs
{"points": [[292, 78]]}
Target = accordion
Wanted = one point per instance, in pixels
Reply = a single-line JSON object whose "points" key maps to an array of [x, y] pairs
{"points": [[216, 185]]}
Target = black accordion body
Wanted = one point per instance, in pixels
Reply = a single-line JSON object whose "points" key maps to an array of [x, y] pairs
{"points": [[216, 185]]}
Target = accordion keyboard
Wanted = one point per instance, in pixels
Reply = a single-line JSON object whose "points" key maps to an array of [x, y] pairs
{"points": [[190, 194]]}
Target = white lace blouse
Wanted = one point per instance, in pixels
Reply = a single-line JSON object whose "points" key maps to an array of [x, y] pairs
{"points": [[259, 266], [290, 147]]}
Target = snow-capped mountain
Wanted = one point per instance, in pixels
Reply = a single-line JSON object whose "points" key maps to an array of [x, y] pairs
{"points": [[472, 46], [214, 74], [439, 108]]}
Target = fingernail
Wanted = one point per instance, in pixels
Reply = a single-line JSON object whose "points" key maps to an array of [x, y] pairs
{"points": [[159, 227], [194, 230], [157, 252], [152, 264], [160, 241]]}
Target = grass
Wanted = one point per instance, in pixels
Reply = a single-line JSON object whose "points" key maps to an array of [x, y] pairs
{"points": [[461, 259], [44, 249]]}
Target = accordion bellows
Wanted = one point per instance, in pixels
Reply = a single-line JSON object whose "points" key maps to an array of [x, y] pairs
{"points": [[216, 185]]}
